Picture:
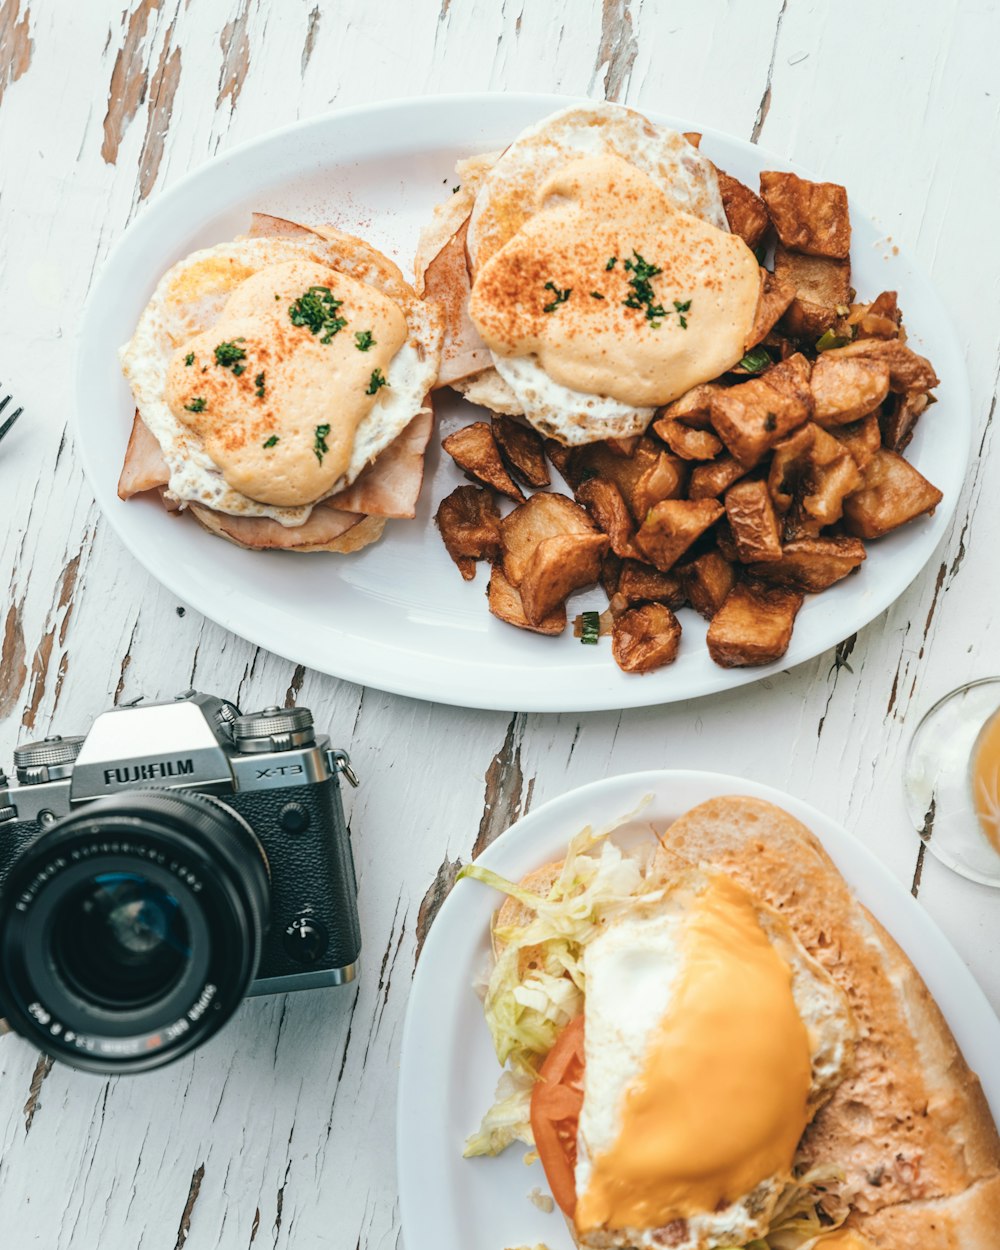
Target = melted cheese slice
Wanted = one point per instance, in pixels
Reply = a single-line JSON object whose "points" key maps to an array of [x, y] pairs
{"points": [[843, 1239], [590, 211], [280, 425], [719, 1099]]}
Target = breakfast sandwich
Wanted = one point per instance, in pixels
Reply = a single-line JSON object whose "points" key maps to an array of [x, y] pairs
{"points": [[709, 1043], [281, 384], [546, 278]]}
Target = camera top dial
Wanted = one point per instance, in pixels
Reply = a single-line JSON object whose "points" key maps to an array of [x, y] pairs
{"points": [[273, 729]]}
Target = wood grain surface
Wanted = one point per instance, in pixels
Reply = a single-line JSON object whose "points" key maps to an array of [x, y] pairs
{"points": [[280, 1132]]}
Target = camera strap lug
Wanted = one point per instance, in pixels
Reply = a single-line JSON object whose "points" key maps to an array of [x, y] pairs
{"points": [[340, 762]]}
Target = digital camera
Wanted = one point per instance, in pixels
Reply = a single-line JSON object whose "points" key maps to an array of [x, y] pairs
{"points": [[156, 870]]}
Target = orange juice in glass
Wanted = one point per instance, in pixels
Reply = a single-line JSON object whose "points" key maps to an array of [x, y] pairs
{"points": [[951, 780]]}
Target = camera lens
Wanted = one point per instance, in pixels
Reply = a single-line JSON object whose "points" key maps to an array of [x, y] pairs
{"points": [[131, 930], [120, 940]]}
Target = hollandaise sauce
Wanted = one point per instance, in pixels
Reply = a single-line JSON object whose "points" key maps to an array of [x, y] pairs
{"points": [[720, 1099], [616, 291]]}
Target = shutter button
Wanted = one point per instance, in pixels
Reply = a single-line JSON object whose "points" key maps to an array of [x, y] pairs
{"points": [[305, 940]]}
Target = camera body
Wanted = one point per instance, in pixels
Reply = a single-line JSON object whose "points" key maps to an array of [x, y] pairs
{"points": [[216, 812]]}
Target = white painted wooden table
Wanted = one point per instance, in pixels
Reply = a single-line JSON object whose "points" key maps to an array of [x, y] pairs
{"points": [[280, 1132]]}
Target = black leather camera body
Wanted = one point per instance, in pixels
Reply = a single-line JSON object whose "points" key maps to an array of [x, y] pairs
{"points": [[155, 871]]}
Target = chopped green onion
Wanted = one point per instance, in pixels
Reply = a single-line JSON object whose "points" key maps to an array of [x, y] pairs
{"points": [[755, 361], [831, 339], [590, 627]]}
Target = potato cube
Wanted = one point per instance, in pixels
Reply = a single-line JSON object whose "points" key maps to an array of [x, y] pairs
{"points": [[505, 603], [893, 492], [603, 500], [474, 450], [907, 370], [775, 296], [751, 417], [707, 581], [646, 638], [522, 450], [672, 526], [745, 211], [810, 217], [641, 583], [708, 481], [557, 567], [897, 425], [687, 442], [753, 522], [789, 465], [845, 389], [644, 478], [753, 626], [822, 286], [812, 564], [545, 515], [694, 407], [470, 527], [862, 439]]}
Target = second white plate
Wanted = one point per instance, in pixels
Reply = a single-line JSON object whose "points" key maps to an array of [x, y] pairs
{"points": [[448, 1067], [398, 616]]}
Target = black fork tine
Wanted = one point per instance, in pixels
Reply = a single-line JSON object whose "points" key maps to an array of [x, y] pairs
{"points": [[5, 428]]}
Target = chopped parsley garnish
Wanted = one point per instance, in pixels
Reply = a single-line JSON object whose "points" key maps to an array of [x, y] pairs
{"points": [[259, 384], [755, 361], [643, 297], [830, 338], [596, 295], [271, 442], [770, 423], [363, 340], [376, 382], [612, 261], [229, 355], [319, 443], [560, 296], [641, 283], [317, 310], [189, 359], [276, 295], [458, 188], [196, 405]]}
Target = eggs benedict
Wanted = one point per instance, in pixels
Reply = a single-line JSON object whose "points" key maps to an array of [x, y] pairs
{"points": [[710, 1044], [603, 280], [281, 386]]}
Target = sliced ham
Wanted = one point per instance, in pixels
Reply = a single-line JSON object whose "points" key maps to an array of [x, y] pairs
{"points": [[144, 467], [447, 283], [264, 226], [328, 529], [391, 486]]}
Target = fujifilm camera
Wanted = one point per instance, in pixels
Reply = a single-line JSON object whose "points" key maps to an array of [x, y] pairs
{"points": [[155, 871]]}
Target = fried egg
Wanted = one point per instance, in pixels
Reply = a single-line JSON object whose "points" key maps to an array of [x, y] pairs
{"points": [[519, 186], [711, 1039], [272, 370]]}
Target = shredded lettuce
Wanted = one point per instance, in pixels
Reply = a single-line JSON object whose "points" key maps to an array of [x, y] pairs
{"points": [[537, 983], [796, 1220], [507, 1121]]}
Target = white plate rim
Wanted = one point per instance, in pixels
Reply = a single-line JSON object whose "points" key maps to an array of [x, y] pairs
{"points": [[391, 667], [541, 836]]}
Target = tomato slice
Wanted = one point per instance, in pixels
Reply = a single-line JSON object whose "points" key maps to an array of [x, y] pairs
{"points": [[556, 1101]]}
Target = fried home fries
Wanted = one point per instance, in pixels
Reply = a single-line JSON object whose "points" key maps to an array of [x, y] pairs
{"points": [[732, 433]]}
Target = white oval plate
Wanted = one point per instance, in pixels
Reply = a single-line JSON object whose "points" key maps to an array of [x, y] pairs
{"points": [[398, 616], [448, 1067]]}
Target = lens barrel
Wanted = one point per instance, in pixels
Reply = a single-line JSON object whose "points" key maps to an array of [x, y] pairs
{"points": [[131, 930]]}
